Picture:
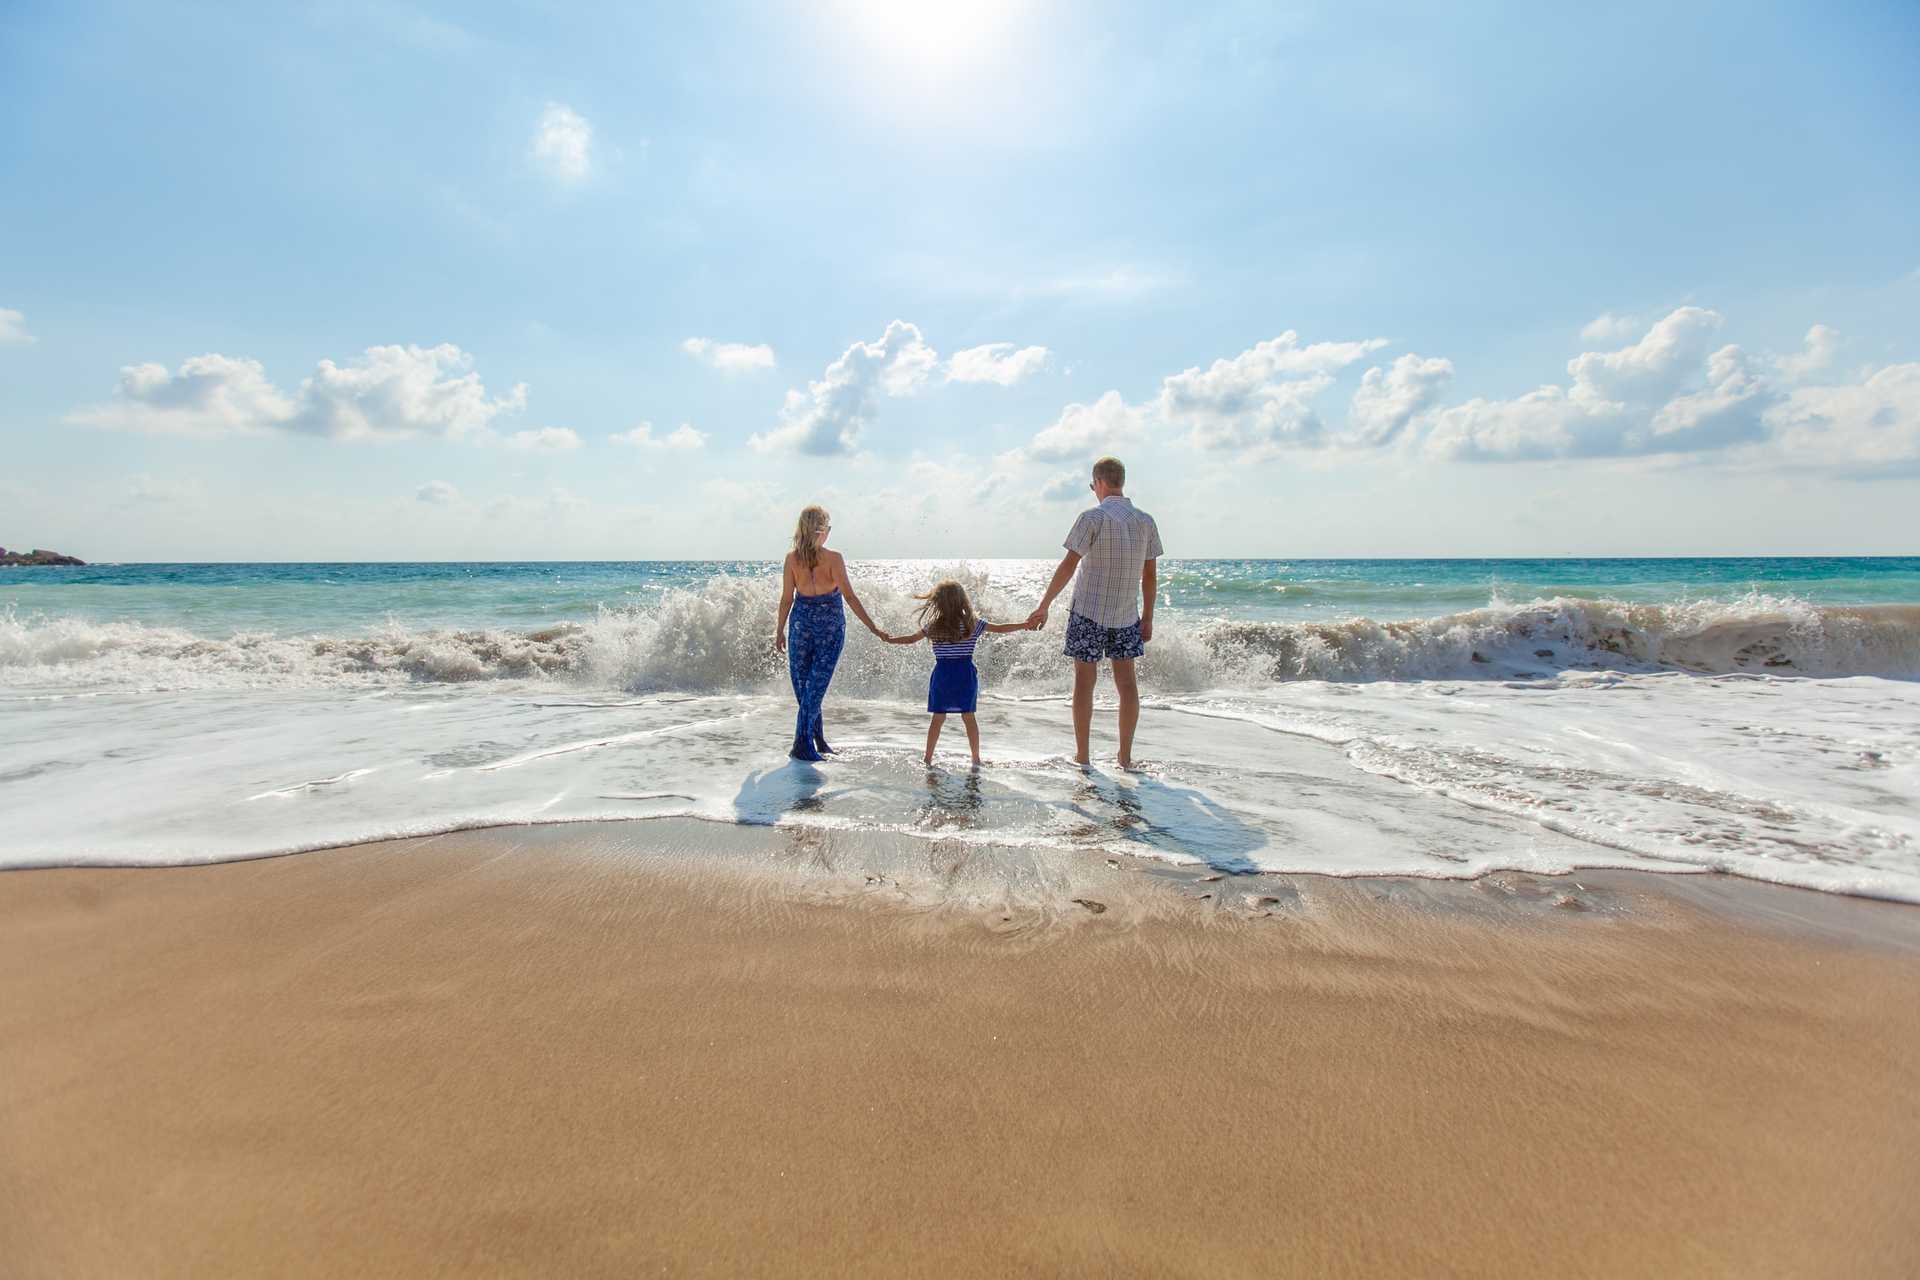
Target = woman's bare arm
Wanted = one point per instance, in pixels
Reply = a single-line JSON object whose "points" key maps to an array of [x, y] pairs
{"points": [[853, 597], [786, 602]]}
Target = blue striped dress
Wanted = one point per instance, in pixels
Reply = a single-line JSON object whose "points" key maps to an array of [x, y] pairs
{"points": [[955, 685]]}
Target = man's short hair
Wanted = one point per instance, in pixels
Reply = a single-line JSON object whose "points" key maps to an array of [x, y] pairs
{"points": [[1112, 472]]}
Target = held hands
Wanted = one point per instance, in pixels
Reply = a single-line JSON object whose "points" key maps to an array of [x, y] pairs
{"points": [[1037, 620]]}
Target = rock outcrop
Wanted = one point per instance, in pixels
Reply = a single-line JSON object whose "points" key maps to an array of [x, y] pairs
{"points": [[36, 556]]}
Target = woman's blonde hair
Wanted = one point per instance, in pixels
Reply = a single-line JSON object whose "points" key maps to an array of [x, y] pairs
{"points": [[947, 613], [807, 532]]}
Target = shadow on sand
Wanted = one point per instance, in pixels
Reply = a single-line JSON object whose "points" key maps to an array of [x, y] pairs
{"points": [[1171, 819], [794, 787]]}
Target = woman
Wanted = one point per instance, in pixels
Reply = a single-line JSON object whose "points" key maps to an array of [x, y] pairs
{"points": [[811, 586]]}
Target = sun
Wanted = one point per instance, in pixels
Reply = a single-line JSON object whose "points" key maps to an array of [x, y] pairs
{"points": [[931, 35]]}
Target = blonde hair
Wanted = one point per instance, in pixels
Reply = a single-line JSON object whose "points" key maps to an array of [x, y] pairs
{"points": [[947, 614], [1112, 471], [807, 532]]}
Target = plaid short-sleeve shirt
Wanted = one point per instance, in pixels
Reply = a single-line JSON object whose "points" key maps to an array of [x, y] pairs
{"points": [[1115, 540]]}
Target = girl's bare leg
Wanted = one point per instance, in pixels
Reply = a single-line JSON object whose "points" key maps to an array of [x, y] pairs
{"points": [[973, 735], [933, 735]]}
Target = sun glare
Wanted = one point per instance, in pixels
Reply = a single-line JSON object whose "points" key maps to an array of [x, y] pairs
{"points": [[931, 35]]}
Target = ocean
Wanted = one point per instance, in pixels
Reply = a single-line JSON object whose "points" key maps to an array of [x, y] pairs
{"points": [[1435, 718]]}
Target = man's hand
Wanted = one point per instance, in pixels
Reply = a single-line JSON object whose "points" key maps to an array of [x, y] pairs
{"points": [[1036, 620], [1146, 629]]}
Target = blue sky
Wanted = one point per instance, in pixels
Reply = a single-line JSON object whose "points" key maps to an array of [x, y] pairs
{"points": [[378, 281]]}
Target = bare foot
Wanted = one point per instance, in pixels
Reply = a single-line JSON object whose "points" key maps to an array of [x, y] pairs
{"points": [[1125, 763], [929, 759], [976, 762]]}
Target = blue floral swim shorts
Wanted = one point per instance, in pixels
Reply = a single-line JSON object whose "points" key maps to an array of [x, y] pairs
{"points": [[1088, 641]]}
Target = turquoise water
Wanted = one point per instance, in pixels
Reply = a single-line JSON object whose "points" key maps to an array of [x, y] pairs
{"points": [[220, 600]]}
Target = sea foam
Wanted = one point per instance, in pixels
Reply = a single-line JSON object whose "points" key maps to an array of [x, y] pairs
{"points": [[719, 637]]}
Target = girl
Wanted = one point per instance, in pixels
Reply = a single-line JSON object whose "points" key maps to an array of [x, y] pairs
{"points": [[812, 582], [947, 619]]}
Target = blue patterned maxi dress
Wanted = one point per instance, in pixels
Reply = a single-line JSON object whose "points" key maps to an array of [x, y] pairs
{"points": [[816, 630]]}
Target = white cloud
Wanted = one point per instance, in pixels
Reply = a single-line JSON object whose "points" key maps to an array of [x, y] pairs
{"points": [[388, 392], [210, 395], [1262, 397], [563, 143], [13, 328], [1821, 345], [1387, 400], [684, 436], [1651, 368], [1086, 431], [1540, 424], [998, 362], [1064, 488], [1663, 394], [400, 391], [729, 357], [1608, 327], [829, 416], [1874, 422], [545, 439], [437, 492]]}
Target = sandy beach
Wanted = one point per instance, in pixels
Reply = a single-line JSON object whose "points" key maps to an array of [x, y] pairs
{"points": [[572, 1051]]}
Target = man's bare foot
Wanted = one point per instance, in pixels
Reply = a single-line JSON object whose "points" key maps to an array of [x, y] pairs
{"points": [[1083, 762], [976, 762], [1124, 763], [929, 759]]}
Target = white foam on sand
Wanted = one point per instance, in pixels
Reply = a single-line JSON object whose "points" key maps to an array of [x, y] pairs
{"points": [[1810, 782]]}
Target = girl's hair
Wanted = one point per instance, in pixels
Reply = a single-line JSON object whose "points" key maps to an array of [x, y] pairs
{"points": [[947, 614], [806, 535]]}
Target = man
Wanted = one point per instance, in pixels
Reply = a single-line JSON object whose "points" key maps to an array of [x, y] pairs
{"points": [[1114, 546]]}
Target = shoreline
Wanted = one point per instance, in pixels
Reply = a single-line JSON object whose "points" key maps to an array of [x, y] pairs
{"points": [[573, 1049], [682, 831]]}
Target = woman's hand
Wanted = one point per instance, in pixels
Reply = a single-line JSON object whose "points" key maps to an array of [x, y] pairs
{"points": [[779, 642]]}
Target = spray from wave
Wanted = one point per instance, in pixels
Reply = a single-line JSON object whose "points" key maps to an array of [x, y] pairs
{"points": [[719, 637]]}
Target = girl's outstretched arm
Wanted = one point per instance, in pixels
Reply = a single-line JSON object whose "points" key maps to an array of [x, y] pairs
{"points": [[786, 603], [1000, 628], [915, 638], [853, 597]]}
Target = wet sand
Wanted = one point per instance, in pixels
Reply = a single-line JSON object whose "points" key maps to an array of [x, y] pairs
{"points": [[566, 1052]]}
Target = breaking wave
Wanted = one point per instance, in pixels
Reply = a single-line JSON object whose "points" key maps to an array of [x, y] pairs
{"points": [[719, 637]]}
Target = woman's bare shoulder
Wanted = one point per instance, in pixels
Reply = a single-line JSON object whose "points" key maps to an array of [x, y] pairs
{"points": [[833, 558]]}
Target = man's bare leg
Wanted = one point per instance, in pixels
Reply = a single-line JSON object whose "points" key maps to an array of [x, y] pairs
{"points": [[1084, 674], [1129, 691]]}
